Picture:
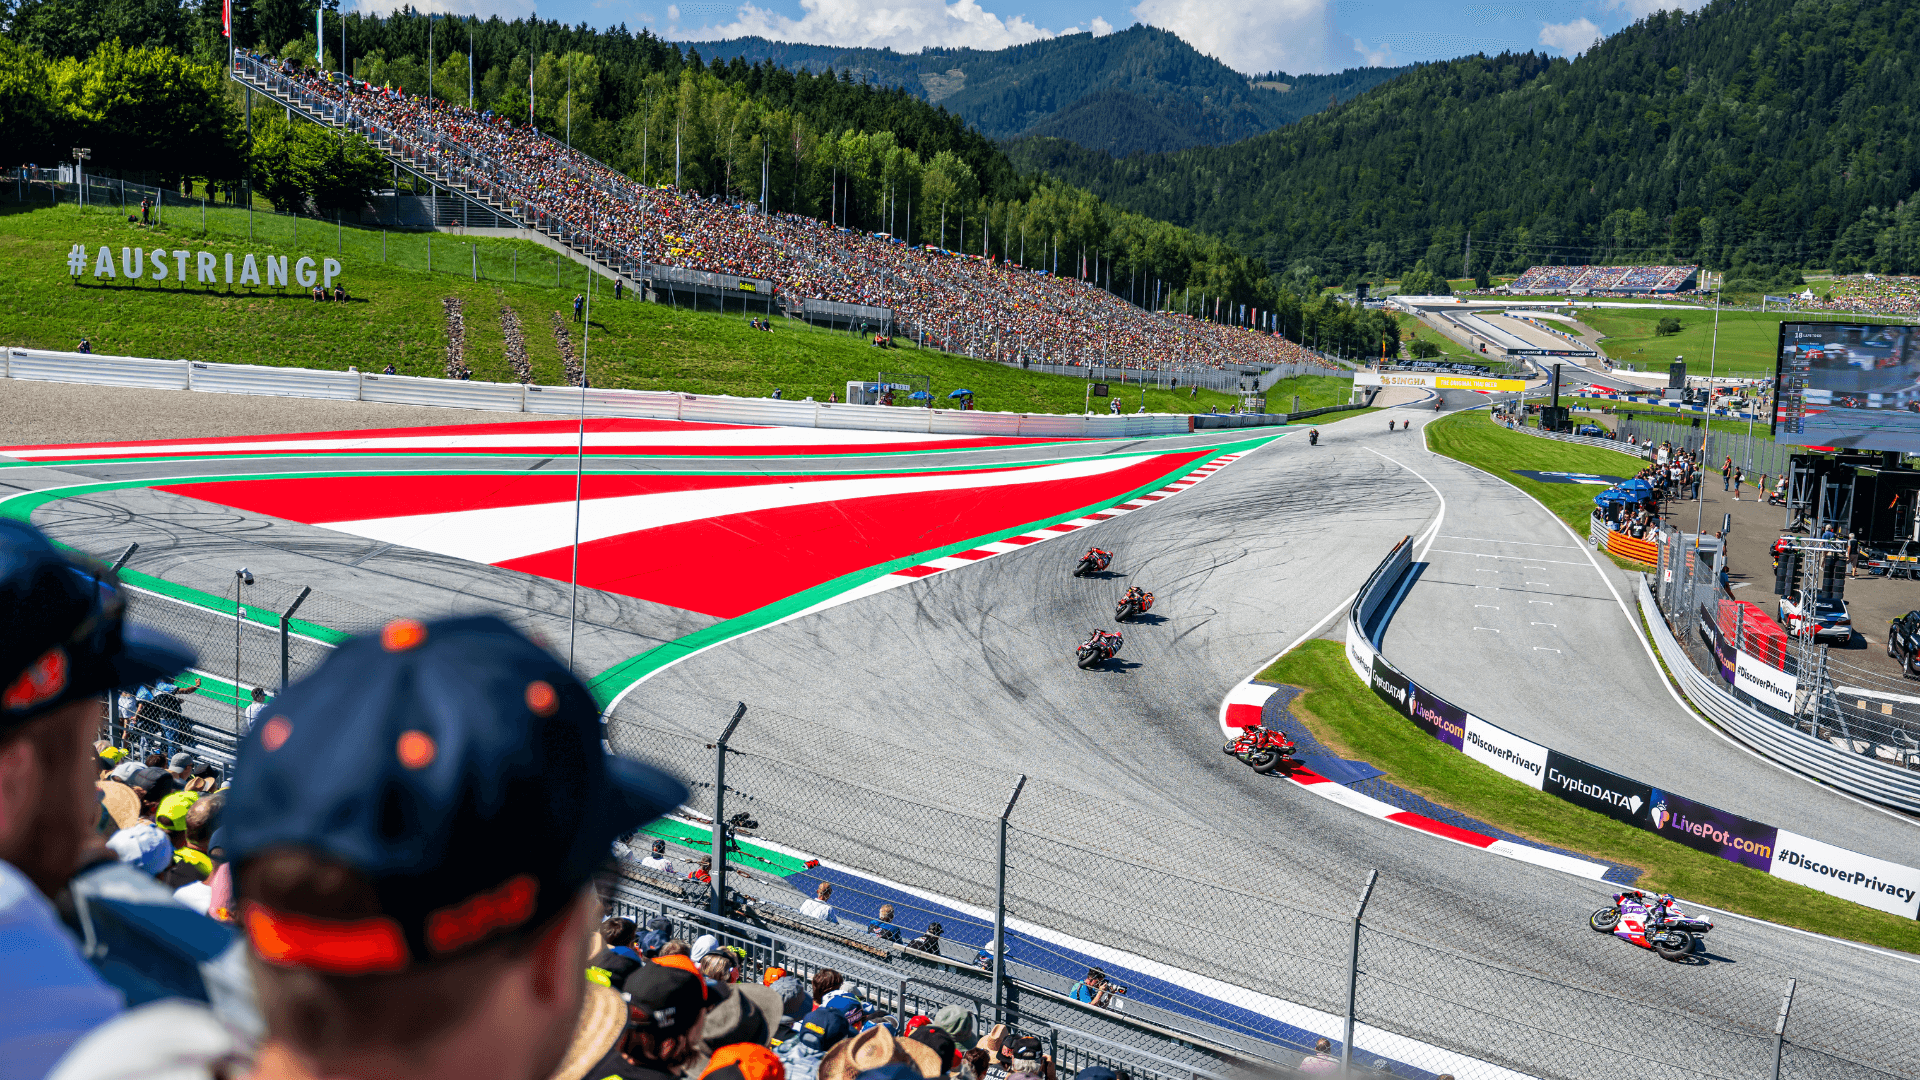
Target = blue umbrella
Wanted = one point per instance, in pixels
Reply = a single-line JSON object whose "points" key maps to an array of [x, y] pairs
{"points": [[961, 393], [919, 395]]}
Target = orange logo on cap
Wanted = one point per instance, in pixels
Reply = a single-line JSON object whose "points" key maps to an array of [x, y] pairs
{"points": [[416, 749], [274, 733], [41, 682], [473, 919], [402, 634], [541, 698]]}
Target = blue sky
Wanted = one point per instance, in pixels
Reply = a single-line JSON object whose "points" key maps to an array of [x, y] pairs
{"points": [[1296, 36]]}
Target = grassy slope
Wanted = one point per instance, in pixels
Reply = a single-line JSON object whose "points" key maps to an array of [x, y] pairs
{"points": [[1347, 716], [397, 315], [1748, 339]]}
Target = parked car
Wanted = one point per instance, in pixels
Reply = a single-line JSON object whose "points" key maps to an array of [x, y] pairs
{"points": [[1592, 431], [1903, 642], [1830, 620]]}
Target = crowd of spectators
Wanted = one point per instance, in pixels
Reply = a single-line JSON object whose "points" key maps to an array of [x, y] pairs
{"points": [[982, 306], [1602, 279], [398, 878], [1868, 294]]}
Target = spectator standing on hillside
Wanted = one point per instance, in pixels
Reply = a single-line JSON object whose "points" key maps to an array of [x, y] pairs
{"points": [[146, 210], [452, 947], [818, 907], [579, 303]]}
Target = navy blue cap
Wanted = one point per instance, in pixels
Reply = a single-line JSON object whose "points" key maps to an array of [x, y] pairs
{"points": [[820, 1029], [63, 630], [899, 1070], [459, 767]]}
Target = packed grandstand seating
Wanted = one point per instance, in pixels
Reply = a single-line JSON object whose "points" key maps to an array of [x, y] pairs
{"points": [[1607, 279], [963, 303]]}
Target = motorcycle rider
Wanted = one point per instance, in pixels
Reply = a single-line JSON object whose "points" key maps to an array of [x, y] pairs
{"points": [[1109, 642], [1099, 557], [1136, 594], [1313, 436]]}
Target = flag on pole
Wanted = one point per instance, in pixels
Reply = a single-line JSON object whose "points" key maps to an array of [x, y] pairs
{"points": [[226, 17], [320, 36]]}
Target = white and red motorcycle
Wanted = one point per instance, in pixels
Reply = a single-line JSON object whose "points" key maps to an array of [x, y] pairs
{"points": [[1651, 922]]}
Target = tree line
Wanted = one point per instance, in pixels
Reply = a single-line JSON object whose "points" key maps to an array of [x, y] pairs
{"points": [[1750, 136]]}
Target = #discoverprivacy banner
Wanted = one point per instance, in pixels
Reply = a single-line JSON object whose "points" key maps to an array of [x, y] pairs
{"points": [[1863, 879], [1504, 752], [1764, 683]]}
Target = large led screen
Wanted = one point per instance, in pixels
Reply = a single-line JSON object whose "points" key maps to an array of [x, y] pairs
{"points": [[1852, 385]]}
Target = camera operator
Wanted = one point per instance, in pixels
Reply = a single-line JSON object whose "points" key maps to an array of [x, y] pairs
{"points": [[1096, 991]]}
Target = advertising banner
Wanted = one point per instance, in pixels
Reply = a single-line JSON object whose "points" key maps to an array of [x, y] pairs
{"points": [[1359, 653], [1849, 875], [1722, 650], [1435, 716], [1712, 830], [1764, 683], [1439, 382], [1597, 790], [1390, 684], [1504, 752]]}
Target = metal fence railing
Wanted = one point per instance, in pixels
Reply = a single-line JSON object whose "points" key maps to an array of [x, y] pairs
{"points": [[1756, 454]]}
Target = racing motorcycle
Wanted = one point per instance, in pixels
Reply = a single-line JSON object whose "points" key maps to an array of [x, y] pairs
{"points": [[1138, 601], [1099, 647], [1651, 922], [1313, 436], [1093, 562], [1262, 748]]}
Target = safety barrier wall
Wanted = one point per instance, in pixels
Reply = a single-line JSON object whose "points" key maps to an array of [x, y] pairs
{"points": [[46, 366], [1837, 871], [1589, 440]]}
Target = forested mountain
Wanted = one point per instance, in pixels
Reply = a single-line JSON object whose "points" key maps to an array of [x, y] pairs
{"points": [[1749, 134], [1141, 90]]}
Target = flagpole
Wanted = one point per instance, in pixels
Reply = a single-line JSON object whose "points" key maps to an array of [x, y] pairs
{"points": [[579, 472]]}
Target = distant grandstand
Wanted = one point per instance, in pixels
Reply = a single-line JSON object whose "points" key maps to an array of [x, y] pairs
{"points": [[1605, 280]]}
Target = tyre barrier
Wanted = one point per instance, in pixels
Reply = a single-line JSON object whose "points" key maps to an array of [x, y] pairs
{"points": [[1850, 875]]}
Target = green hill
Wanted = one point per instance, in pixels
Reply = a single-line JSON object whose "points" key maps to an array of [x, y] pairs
{"points": [[398, 314], [1172, 95], [1750, 133]]}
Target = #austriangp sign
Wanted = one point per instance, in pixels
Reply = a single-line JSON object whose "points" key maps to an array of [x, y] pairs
{"points": [[188, 267]]}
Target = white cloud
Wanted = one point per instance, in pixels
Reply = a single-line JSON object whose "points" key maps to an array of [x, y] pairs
{"points": [[1254, 35], [908, 25], [1569, 38], [1101, 27], [1380, 57]]}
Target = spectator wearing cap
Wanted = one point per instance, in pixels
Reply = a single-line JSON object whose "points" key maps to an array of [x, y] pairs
{"points": [[206, 778], [883, 927], [171, 816], [64, 644], [1322, 1060], [818, 907], [659, 932], [181, 766], [957, 1021], [657, 859], [666, 1011], [1026, 1056], [796, 1000], [414, 831], [817, 1033], [945, 1051], [738, 1013], [194, 863], [144, 845], [744, 1061], [851, 1007]]}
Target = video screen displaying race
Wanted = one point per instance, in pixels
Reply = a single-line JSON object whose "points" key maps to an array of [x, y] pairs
{"points": [[1851, 385]]}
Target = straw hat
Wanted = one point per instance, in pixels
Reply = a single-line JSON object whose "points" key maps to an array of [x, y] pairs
{"points": [[603, 1019], [123, 806], [873, 1048]]}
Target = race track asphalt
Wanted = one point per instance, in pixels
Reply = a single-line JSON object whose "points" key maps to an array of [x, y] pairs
{"points": [[886, 734]]}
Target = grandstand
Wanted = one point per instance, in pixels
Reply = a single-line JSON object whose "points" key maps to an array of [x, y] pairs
{"points": [[961, 303], [1608, 280]]}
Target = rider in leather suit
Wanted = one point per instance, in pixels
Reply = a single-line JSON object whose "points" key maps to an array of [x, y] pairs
{"points": [[1144, 597], [1112, 641]]}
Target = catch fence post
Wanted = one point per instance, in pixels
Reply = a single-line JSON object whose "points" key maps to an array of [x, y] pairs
{"points": [[719, 875], [115, 722], [1000, 908], [1353, 973], [286, 621], [1780, 1028]]}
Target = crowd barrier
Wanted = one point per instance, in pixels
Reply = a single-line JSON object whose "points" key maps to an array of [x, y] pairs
{"points": [[1850, 875], [45, 366], [1605, 538]]}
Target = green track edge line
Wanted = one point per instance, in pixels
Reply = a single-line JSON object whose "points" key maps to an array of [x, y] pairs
{"points": [[614, 681], [609, 683]]}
